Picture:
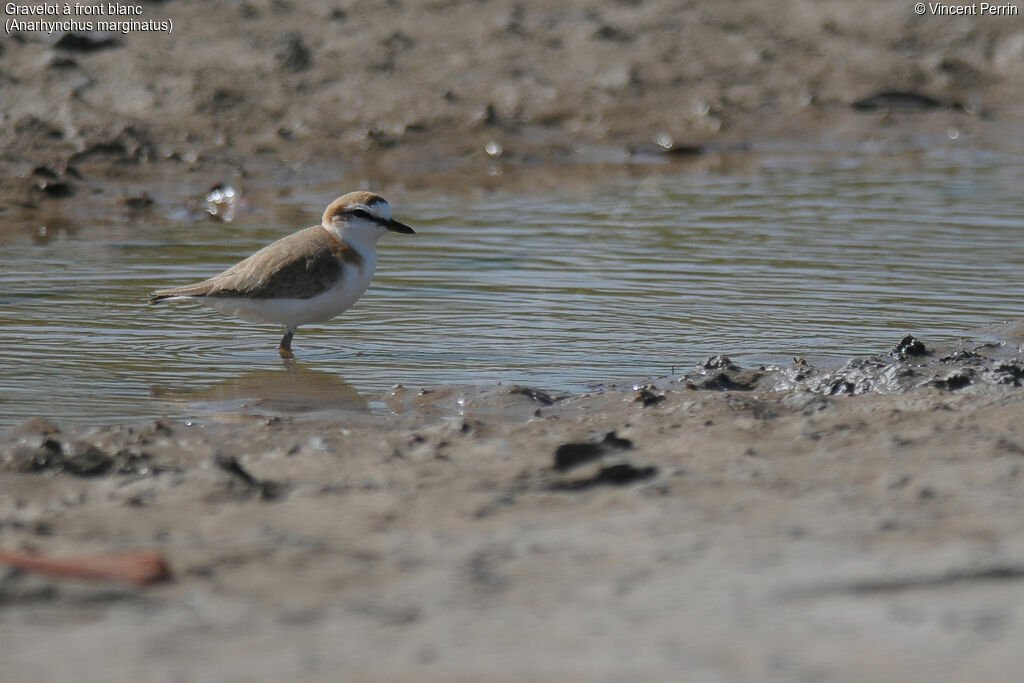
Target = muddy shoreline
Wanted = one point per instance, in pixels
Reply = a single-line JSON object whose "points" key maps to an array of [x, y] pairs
{"points": [[505, 532], [860, 521], [422, 87]]}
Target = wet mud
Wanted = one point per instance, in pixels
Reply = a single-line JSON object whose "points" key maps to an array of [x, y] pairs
{"points": [[882, 493], [814, 520], [105, 118]]}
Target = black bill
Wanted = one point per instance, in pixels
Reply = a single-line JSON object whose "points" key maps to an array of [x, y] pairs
{"points": [[395, 226]]}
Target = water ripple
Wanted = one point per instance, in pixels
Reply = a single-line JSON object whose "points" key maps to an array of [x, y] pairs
{"points": [[816, 257]]}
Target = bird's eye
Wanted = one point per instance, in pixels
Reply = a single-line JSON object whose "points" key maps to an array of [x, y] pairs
{"points": [[359, 213]]}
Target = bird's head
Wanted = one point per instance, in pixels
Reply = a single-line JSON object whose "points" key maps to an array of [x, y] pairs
{"points": [[362, 213]]}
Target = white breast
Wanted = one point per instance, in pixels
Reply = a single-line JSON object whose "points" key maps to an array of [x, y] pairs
{"points": [[295, 312]]}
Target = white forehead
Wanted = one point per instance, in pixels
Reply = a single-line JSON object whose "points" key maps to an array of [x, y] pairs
{"points": [[378, 208]]}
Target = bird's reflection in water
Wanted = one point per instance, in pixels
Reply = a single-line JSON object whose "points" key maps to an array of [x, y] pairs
{"points": [[293, 388]]}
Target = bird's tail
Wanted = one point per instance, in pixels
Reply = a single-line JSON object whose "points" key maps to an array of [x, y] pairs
{"points": [[157, 297], [198, 289]]}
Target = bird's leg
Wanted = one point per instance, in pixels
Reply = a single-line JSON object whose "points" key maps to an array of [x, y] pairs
{"points": [[285, 348]]}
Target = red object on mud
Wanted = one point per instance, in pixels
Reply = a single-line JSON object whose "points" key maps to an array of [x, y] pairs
{"points": [[141, 567]]}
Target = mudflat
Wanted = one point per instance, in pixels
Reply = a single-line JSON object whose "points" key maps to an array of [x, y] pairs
{"points": [[861, 521], [729, 523], [405, 89]]}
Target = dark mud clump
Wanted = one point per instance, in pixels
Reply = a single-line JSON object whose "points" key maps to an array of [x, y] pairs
{"points": [[576, 454], [909, 346], [39, 446], [267, 490], [619, 474], [570, 455], [908, 366]]}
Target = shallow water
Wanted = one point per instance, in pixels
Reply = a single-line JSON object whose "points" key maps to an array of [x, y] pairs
{"points": [[783, 254]]}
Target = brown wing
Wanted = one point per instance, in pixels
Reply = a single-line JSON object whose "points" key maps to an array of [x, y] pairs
{"points": [[299, 266]]}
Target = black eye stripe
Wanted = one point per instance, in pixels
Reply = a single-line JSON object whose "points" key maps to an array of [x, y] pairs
{"points": [[360, 213]]}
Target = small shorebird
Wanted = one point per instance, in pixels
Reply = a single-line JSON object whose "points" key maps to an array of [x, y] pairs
{"points": [[308, 277]]}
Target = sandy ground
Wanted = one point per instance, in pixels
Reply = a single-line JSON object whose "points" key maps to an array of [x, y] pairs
{"points": [[799, 523]]}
